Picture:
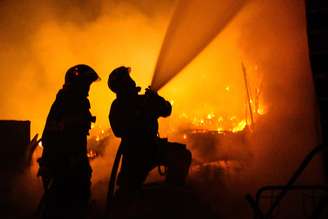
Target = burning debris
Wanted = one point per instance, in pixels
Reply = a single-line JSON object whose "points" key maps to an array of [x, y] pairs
{"points": [[211, 137], [98, 141], [211, 110]]}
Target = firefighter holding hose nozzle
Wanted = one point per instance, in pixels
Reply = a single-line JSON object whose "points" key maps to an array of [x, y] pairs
{"points": [[133, 118], [64, 166]]}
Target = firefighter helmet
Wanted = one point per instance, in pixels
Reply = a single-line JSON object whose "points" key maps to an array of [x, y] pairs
{"points": [[116, 78], [80, 74]]}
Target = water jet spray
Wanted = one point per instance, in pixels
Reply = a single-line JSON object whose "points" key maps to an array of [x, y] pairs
{"points": [[195, 23]]}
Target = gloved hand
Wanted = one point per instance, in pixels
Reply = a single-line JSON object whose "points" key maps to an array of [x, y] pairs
{"points": [[151, 93]]}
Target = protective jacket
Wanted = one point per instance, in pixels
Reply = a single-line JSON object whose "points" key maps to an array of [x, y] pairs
{"points": [[65, 134], [64, 166], [134, 120]]}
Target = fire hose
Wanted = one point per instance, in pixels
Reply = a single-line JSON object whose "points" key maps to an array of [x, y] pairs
{"points": [[112, 179], [113, 176]]}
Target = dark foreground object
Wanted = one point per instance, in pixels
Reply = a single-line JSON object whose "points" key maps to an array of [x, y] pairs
{"points": [[15, 139], [161, 201]]}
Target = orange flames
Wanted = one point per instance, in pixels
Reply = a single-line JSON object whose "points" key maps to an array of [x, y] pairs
{"points": [[202, 120], [211, 84], [209, 93]]}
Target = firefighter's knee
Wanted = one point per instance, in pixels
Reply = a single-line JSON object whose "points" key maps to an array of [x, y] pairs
{"points": [[185, 157], [188, 157]]}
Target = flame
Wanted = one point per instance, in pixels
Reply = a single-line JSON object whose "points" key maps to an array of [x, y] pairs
{"points": [[220, 130], [213, 79], [208, 94], [240, 126], [261, 110], [211, 121]]}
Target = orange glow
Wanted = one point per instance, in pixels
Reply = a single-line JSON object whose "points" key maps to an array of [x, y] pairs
{"points": [[208, 94], [240, 126], [211, 87], [261, 110]]}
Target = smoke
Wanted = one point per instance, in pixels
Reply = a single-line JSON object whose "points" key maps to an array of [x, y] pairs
{"points": [[41, 40], [193, 25], [276, 42]]}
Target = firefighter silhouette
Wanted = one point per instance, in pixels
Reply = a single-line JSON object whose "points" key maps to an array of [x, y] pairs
{"points": [[133, 118], [64, 166]]}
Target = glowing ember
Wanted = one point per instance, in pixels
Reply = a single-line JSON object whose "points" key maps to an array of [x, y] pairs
{"points": [[261, 110], [210, 116], [92, 154], [241, 126], [211, 121], [220, 130]]}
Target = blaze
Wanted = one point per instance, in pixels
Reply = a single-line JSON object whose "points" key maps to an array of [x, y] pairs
{"points": [[211, 99]]}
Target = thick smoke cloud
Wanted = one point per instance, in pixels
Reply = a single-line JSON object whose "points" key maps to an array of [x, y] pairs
{"points": [[39, 40], [277, 44]]}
